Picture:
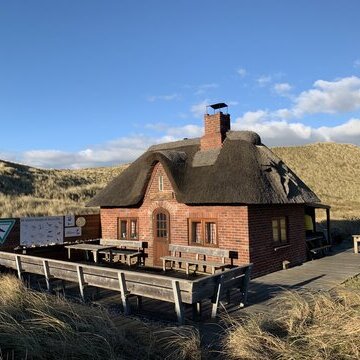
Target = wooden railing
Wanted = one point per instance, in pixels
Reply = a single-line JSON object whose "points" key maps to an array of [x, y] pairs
{"points": [[127, 282]]}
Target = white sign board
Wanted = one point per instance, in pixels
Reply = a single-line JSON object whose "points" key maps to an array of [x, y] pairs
{"points": [[69, 220], [72, 231], [37, 231]]}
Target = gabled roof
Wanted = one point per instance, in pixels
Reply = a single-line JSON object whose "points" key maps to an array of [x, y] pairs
{"points": [[242, 171]]}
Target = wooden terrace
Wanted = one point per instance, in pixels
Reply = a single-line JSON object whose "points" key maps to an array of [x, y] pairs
{"points": [[324, 273], [173, 286]]}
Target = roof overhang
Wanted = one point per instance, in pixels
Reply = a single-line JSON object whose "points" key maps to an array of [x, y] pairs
{"points": [[318, 205]]}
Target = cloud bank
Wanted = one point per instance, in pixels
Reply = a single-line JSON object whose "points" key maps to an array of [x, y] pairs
{"points": [[281, 127]]}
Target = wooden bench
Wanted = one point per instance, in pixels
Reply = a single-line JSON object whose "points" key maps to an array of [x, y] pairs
{"points": [[356, 239], [128, 249], [316, 243], [177, 250]]}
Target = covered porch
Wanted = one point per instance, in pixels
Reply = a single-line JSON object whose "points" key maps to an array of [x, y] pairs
{"points": [[318, 238]]}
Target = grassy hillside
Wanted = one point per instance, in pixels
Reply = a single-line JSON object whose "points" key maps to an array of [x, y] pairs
{"points": [[26, 191], [331, 170]]}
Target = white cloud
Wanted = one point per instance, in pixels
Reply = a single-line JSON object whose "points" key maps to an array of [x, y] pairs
{"points": [[356, 64], [346, 132], [282, 89], [330, 97], [241, 72], [252, 117], [280, 132], [169, 97], [264, 80], [117, 151], [199, 109]]}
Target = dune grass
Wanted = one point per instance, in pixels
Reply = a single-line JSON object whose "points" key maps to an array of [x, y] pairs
{"points": [[321, 325], [35, 325], [28, 191], [353, 283], [332, 170]]}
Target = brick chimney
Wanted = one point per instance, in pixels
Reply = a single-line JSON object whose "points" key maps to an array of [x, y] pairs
{"points": [[216, 127]]}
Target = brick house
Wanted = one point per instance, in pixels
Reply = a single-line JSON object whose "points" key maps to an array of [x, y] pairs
{"points": [[225, 189]]}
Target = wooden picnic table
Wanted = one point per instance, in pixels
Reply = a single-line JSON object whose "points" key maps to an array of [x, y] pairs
{"points": [[94, 248], [127, 253]]}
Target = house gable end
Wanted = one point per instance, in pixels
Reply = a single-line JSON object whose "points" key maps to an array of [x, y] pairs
{"points": [[160, 186]]}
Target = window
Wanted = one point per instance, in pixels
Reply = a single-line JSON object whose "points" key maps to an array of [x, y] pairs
{"points": [[210, 233], [161, 224], [196, 232], [128, 229], [161, 183], [279, 229], [203, 232]]}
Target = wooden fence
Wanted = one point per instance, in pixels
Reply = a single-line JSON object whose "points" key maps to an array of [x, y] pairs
{"points": [[127, 282]]}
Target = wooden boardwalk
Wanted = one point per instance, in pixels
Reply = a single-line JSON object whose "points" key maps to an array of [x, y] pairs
{"points": [[320, 274]]}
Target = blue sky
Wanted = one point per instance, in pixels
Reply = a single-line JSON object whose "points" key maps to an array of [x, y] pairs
{"points": [[92, 83]]}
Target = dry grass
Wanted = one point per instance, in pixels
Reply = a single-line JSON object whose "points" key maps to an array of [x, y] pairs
{"points": [[332, 171], [322, 325], [181, 343], [36, 325], [353, 283], [27, 191]]}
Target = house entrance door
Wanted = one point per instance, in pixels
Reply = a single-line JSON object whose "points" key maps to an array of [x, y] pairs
{"points": [[161, 226]]}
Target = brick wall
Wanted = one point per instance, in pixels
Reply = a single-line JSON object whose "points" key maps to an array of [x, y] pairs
{"points": [[262, 251], [245, 229], [216, 126], [231, 220]]}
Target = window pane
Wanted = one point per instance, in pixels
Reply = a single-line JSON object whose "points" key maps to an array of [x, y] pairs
{"points": [[196, 232], [210, 233], [275, 229], [161, 225], [133, 229], [123, 229], [161, 183], [283, 229]]}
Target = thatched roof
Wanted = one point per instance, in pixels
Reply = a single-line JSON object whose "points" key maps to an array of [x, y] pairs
{"points": [[243, 171]]}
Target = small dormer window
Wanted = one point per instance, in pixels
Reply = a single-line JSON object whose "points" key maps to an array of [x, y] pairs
{"points": [[161, 183]]}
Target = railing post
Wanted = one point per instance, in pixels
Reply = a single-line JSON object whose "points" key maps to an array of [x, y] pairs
{"points": [[80, 275], [217, 297], [245, 288], [177, 300], [18, 266], [47, 274], [124, 293]]}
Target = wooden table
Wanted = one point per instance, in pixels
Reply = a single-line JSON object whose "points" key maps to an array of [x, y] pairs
{"points": [[356, 239], [94, 248], [127, 253]]}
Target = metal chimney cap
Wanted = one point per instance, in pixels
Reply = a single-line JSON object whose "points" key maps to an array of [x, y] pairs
{"points": [[218, 106]]}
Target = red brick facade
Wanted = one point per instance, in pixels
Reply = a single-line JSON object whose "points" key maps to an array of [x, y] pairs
{"points": [[265, 257], [245, 229]]}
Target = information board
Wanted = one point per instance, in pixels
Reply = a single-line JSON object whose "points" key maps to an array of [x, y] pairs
{"points": [[39, 231]]}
